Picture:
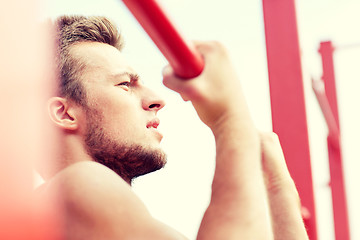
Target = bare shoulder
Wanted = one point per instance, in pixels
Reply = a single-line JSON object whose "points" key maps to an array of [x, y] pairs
{"points": [[85, 176], [98, 204]]}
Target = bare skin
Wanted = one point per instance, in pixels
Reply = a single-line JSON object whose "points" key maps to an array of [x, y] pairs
{"points": [[238, 207], [283, 198], [99, 204]]}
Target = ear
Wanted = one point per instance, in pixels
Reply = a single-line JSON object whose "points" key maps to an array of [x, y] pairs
{"points": [[63, 113]]}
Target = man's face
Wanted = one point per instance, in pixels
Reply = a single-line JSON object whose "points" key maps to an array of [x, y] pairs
{"points": [[121, 123]]}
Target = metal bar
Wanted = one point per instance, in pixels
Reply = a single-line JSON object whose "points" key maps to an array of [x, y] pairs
{"points": [[326, 51], [347, 46], [340, 210], [319, 90], [287, 98], [181, 54]]}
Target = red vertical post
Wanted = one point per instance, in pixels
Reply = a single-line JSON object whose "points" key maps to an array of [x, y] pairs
{"points": [[287, 98], [341, 222]]}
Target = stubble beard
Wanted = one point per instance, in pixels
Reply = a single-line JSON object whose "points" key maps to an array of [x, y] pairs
{"points": [[128, 161]]}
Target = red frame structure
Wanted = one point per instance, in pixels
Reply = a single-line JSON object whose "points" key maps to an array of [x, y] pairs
{"points": [[287, 103], [286, 92], [341, 219], [287, 98]]}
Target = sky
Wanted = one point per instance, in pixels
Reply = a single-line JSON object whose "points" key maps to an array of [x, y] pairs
{"points": [[179, 194]]}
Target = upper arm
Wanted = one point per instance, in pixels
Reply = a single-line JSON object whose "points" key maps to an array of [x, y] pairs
{"points": [[100, 205]]}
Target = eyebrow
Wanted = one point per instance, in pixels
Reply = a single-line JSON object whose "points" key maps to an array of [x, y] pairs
{"points": [[133, 76]]}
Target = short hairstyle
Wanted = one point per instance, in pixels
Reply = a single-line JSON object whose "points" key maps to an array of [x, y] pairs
{"points": [[71, 30]]}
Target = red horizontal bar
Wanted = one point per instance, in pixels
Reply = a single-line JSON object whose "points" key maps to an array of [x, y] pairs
{"points": [[181, 54]]}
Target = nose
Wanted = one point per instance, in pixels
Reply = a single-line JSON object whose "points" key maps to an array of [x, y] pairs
{"points": [[152, 101]]}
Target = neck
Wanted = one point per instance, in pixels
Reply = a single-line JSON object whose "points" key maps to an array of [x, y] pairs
{"points": [[70, 150]]}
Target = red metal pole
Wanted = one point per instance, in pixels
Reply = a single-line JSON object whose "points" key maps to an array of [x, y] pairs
{"points": [[337, 184], [181, 54], [287, 98], [319, 90]]}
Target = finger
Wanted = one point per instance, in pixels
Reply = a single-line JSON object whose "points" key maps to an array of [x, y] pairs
{"points": [[271, 145], [273, 159], [171, 81], [210, 48], [167, 71]]}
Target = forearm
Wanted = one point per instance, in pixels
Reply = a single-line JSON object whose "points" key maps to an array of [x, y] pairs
{"points": [[238, 207]]}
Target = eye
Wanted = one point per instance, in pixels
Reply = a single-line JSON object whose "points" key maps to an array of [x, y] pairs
{"points": [[127, 81], [126, 84]]}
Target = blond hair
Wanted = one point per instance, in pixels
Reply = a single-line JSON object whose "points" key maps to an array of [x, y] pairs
{"points": [[71, 30]]}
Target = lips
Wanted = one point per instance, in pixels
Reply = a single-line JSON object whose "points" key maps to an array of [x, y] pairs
{"points": [[153, 123]]}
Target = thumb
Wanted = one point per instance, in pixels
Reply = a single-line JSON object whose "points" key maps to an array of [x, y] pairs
{"points": [[171, 81], [167, 71], [169, 78]]}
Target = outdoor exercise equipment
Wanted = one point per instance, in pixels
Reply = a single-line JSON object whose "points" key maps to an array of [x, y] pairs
{"points": [[21, 219], [327, 99], [288, 100], [181, 54], [286, 92]]}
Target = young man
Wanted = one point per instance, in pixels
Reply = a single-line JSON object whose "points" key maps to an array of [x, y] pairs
{"points": [[107, 122]]}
